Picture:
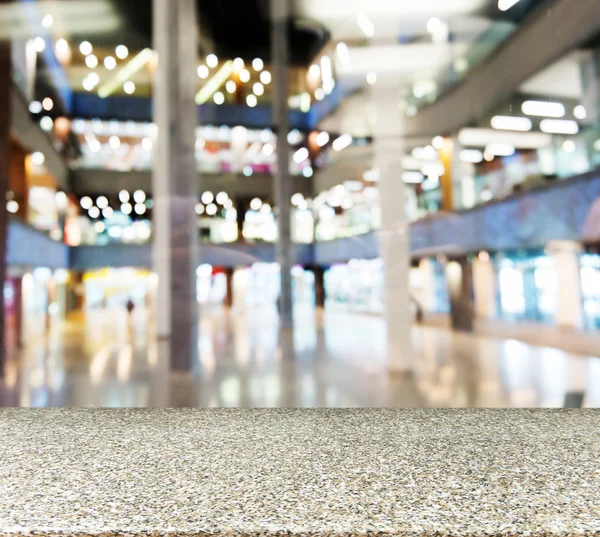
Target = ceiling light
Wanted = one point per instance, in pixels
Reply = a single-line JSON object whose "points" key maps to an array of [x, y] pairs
{"points": [[211, 209], [221, 198], [433, 168], [365, 25], [63, 52], [322, 138], [511, 123], [247, 170], [342, 142], [344, 56], [139, 208], [473, 156], [257, 64], [124, 196], [147, 143], [47, 21], [202, 71], [214, 83], [251, 100], [437, 142], [230, 86], [244, 75], [129, 87], [212, 61], [126, 208], [35, 107], [504, 5], [48, 104], [94, 212], [107, 212], [238, 65], [87, 84], [265, 77], [319, 94], [307, 171], [46, 123], [38, 158], [86, 202], [569, 146], [93, 79], [543, 108], [412, 177], [500, 150], [472, 137], [326, 75], [102, 202], [85, 48], [255, 204], [301, 155], [434, 25], [114, 142], [371, 78], [424, 153], [39, 44], [199, 209], [100, 227], [297, 199], [580, 112], [139, 196], [258, 88], [268, 149], [91, 61], [12, 206], [207, 197], [94, 145], [294, 137], [218, 98], [372, 176], [125, 74], [122, 52], [110, 63], [559, 126]]}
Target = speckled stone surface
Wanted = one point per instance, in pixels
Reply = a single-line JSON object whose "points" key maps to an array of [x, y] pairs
{"points": [[300, 472]]}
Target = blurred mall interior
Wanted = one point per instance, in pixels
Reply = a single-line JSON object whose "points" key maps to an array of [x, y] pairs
{"points": [[300, 203]]}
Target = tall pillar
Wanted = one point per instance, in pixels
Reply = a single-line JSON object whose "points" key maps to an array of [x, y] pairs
{"points": [[319, 273], [174, 180], [428, 297], [459, 277], [453, 173], [5, 84], [484, 287], [387, 128], [569, 310], [280, 10]]}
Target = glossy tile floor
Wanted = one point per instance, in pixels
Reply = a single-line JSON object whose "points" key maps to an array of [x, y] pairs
{"points": [[334, 359]]}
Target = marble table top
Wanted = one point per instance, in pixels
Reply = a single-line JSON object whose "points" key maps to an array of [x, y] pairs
{"points": [[82, 472]]}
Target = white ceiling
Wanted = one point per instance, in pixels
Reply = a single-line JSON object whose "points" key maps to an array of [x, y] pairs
{"points": [[561, 79]]}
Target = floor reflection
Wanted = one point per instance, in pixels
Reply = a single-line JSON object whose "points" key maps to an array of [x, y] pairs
{"points": [[333, 359]]}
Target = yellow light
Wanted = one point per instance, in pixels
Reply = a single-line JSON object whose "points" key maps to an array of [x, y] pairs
{"points": [[257, 64], [244, 75], [215, 82], [238, 65], [230, 86], [125, 73]]}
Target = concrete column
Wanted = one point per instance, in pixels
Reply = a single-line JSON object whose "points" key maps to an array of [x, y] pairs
{"points": [[427, 295], [459, 277], [387, 128], [484, 287], [5, 117], [174, 181], [319, 273], [280, 10], [569, 311]]}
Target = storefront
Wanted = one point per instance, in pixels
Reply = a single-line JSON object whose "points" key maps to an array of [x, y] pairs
{"points": [[590, 289], [527, 288]]}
